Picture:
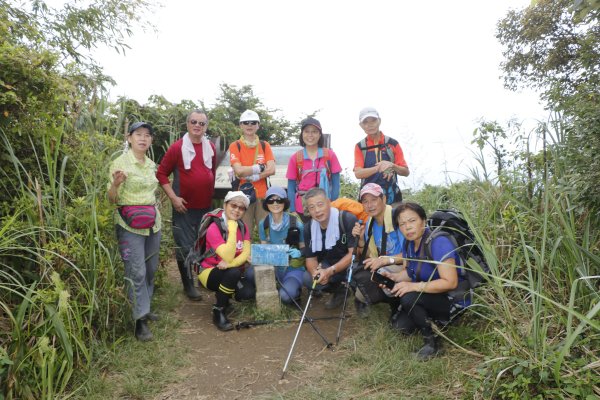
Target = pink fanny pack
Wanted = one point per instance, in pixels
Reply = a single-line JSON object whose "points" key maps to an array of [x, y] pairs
{"points": [[138, 217]]}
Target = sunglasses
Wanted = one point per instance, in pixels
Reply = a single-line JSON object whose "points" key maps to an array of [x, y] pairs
{"points": [[250, 122], [275, 201], [237, 207], [201, 123]]}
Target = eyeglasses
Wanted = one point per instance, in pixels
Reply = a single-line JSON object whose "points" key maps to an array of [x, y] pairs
{"points": [[237, 207], [275, 201], [201, 123], [250, 122]]}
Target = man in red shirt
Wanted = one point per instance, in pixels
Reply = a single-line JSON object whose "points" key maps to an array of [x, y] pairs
{"points": [[377, 158], [193, 162]]}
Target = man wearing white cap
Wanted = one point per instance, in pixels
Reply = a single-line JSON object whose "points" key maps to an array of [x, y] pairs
{"points": [[252, 161], [379, 158]]}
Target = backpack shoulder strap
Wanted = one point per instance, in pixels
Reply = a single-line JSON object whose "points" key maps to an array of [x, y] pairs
{"points": [[265, 226], [327, 158], [344, 237], [369, 232], [237, 142], [299, 163], [389, 143]]}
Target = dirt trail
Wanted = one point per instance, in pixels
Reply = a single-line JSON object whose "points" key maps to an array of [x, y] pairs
{"points": [[247, 363]]}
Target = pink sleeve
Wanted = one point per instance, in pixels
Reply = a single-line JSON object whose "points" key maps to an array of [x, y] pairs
{"points": [[213, 237], [335, 163], [292, 170]]}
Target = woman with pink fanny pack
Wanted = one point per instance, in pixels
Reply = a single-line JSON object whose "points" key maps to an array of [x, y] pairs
{"points": [[132, 187]]}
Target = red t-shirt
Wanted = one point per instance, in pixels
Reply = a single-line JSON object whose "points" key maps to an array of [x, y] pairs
{"points": [[359, 161], [197, 184]]}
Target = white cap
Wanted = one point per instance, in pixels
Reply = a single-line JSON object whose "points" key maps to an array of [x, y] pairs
{"points": [[249, 115], [366, 113], [237, 195]]}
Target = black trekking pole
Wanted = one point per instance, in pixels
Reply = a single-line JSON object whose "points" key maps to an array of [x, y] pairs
{"points": [[314, 284], [308, 319], [249, 324], [350, 268]]}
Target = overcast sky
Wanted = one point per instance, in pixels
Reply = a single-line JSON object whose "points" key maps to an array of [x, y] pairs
{"points": [[430, 68]]}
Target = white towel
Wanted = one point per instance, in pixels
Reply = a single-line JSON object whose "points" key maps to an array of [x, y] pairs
{"points": [[332, 234], [188, 153]]}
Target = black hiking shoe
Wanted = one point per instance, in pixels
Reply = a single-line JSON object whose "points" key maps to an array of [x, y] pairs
{"points": [[336, 299], [188, 284], [429, 350], [220, 319], [142, 331], [362, 309]]}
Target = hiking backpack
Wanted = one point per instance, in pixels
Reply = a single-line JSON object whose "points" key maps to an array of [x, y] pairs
{"points": [[198, 252], [451, 224], [300, 162]]}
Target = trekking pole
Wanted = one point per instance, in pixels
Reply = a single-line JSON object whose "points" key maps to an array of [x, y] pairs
{"points": [[350, 268], [249, 324], [308, 319], [314, 284]]}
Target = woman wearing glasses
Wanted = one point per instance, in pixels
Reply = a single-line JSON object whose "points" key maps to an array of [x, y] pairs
{"points": [[281, 227], [314, 166], [252, 161], [193, 163], [229, 240]]}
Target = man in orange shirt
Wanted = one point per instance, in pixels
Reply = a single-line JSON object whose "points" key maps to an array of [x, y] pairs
{"points": [[252, 162], [377, 158]]}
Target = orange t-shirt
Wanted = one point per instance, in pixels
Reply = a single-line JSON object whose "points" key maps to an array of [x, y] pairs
{"points": [[246, 157]]}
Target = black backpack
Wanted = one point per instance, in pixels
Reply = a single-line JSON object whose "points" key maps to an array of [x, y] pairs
{"points": [[451, 224]]}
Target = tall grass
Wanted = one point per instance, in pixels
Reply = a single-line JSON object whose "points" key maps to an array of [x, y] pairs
{"points": [[542, 305], [59, 286]]}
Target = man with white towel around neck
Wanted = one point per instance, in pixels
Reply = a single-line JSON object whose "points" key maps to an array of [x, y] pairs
{"points": [[329, 244], [193, 162]]}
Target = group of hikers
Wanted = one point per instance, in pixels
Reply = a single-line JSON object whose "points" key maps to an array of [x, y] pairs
{"points": [[390, 246]]}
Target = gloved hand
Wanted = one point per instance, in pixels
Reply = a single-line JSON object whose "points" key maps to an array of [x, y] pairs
{"points": [[252, 178], [294, 253], [256, 169]]}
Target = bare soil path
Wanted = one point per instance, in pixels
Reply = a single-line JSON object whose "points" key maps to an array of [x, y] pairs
{"points": [[247, 363]]}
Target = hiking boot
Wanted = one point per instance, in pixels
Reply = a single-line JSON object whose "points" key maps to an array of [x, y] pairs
{"points": [[220, 319], [362, 309], [188, 284], [336, 299], [142, 331], [429, 350]]}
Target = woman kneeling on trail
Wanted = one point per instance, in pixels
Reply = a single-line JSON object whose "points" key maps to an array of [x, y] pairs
{"points": [[280, 227], [221, 272], [423, 286]]}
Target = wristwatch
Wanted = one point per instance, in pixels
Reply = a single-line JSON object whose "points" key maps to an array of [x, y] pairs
{"points": [[262, 167]]}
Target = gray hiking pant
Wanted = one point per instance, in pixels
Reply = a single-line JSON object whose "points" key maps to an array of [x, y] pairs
{"points": [[140, 256], [185, 230]]}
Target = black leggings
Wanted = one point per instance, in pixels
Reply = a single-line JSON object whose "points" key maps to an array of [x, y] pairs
{"points": [[223, 282], [418, 308]]}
